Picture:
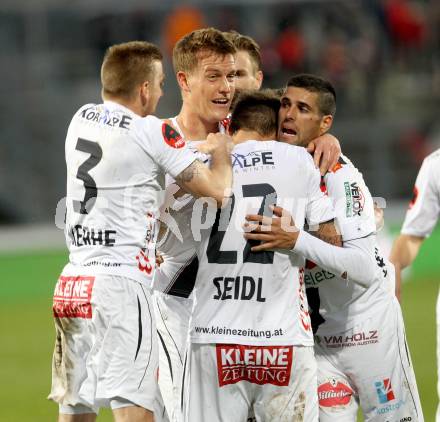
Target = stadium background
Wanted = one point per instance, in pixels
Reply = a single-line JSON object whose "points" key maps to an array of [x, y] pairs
{"points": [[383, 56]]}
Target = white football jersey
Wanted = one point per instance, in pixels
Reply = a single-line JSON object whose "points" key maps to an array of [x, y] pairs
{"points": [[337, 303], [424, 209], [116, 166], [243, 297], [176, 275]]}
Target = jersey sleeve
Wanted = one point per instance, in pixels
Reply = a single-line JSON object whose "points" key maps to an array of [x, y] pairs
{"points": [[355, 261], [187, 198], [352, 200], [424, 208], [165, 146], [319, 207]]}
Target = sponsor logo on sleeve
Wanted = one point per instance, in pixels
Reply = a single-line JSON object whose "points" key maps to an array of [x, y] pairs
{"points": [[354, 199], [172, 137], [255, 364], [334, 393], [72, 297]]}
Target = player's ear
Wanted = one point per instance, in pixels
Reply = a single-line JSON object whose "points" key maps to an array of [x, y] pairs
{"points": [[144, 91], [259, 78], [182, 80], [326, 124]]}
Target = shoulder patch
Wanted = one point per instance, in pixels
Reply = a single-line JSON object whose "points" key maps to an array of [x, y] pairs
{"points": [[336, 167], [172, 137]]}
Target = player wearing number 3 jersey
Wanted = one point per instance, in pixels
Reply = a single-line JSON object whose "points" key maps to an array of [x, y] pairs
{"points": [[117, 156]]}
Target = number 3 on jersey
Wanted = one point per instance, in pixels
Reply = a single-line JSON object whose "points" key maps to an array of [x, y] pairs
{"points": [[95, 151], [217, 256]]}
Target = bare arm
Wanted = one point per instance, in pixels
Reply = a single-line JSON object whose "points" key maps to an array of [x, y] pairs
{"points": [[327, 233], [214, 181], [281, 232], [354, 261], [326, 152], [403, 253]]}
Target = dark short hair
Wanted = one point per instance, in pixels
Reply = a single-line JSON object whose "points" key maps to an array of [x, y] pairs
{"points": [[207, 40], [127, 65], [244, 43], [256, 110], [324, 89]]}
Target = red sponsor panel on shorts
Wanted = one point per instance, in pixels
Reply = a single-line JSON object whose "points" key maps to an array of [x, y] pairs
{"points": [[334, 393], [72, 297], [255, 364], [172, 137]]}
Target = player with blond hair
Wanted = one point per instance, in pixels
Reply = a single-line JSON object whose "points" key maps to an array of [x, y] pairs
{"points": [[117, 156]]}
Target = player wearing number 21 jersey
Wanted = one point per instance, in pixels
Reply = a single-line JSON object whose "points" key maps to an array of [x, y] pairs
{"points": [[117, 157], [250, 332]]}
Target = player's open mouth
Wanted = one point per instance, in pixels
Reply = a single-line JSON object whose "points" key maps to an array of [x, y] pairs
{"points": [[221, 101], [288, 131]]}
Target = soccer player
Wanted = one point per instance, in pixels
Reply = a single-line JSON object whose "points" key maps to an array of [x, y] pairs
{"points": [[117, 156], [420, 220], [360, 342], [251, 340], [205, 70], [248, 74]]}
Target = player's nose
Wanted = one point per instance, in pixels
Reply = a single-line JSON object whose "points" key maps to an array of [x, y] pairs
{"points": [[291, 113], [226, 85]]}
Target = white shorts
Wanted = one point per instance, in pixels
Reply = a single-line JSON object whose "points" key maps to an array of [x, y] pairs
{"points": [[106, 347], [172, 318], [369, 364], [227, 382]]}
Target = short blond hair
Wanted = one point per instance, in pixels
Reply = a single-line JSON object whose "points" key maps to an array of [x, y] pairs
{"points": [[187, 50], [127, 65]]}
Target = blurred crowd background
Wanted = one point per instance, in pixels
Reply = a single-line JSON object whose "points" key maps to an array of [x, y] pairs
{"points": [[383, 56]]}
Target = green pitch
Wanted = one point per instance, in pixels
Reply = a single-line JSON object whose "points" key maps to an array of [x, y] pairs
{"points": [[27, 333]]}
